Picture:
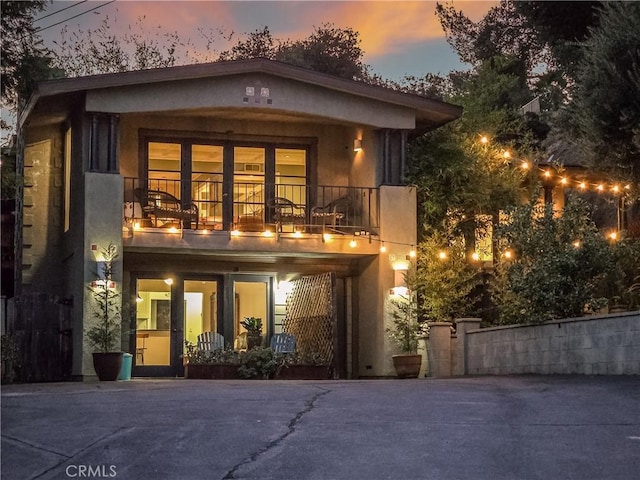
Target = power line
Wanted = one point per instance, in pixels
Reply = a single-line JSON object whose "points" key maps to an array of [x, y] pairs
{"points": [[61, 10], [75, 16]]}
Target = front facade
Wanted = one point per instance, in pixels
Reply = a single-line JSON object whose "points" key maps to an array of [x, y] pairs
{"points": [[230, 190]]}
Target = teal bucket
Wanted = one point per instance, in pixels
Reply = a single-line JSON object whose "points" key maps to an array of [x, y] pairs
{"points": [[125, 371]]}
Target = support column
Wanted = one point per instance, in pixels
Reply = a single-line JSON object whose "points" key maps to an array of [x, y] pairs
{"points": [[464, 325], [439, 349]]}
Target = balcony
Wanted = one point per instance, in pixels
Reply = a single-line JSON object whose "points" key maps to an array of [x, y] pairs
{"points": [[250, 209]]}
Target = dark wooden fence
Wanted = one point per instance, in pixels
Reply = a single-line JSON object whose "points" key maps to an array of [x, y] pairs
{"points": [[39, 328]]}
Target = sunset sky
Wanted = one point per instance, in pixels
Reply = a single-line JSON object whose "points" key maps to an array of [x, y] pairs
{"points": [[398, 37]]}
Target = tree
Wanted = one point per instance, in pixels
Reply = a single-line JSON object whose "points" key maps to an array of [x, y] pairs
{"points": [[605, 112], [328, 49], [24, 59], [554, 266], [91, 52]]}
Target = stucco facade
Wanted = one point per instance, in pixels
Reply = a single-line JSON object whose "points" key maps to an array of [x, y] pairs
{"points": [[89, 146]]}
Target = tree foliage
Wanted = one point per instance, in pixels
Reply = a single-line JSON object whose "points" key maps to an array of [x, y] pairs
{"points": [[24, 59], [605, 111], [328, 49], [556, 264]]}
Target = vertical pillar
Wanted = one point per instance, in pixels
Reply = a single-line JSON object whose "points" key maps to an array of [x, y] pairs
{"points": [[440, 349], [464, 325]]}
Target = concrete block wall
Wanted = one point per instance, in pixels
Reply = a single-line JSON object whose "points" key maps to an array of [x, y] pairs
{"points": [[594, 345]]}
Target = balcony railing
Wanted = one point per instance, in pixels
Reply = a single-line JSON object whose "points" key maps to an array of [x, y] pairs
{"points": [[251, 206]]}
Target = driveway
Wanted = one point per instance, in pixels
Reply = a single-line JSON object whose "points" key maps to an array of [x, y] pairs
{"points": [[524, 427]]}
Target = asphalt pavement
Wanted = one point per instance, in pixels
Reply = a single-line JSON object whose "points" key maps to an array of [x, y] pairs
{"points": [[521, 427]]}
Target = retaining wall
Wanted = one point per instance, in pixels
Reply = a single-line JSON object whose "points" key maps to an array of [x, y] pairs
{"points": [[594, 345]]}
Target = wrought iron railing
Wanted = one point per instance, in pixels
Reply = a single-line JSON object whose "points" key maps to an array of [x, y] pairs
{"points": [[252, 206]]}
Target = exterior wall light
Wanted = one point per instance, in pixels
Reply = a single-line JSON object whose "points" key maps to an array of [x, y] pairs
{"points": [[357, 145]]}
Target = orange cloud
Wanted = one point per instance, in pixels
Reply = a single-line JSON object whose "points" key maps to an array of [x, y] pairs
{"points": [[385, 27]]}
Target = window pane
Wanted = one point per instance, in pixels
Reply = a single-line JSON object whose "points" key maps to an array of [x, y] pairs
{"points": [[164, 167], [206, 183], [248, 188], [153, 322], [291, 175]]}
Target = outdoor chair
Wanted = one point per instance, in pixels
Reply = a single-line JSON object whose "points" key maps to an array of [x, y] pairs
{"points": [[164, 206], [210, 341], [283, 343], [285, 211], [333, 213]]}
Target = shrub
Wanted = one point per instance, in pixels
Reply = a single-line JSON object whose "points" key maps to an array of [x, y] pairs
{"points": [[557, 262]]}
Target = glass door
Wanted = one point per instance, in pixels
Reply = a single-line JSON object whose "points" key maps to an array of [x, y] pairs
{"points": [[252, 297], [153, 323], [200, 308]]}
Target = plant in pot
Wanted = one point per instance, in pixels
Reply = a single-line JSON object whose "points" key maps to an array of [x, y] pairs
{"points": [[259, 362], [304, 366], [405, 332], [253, 326], [220, 363], [105, 333]]}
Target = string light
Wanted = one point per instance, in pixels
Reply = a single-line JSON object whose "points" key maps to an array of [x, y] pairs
{"points": [[576, 244], [442, 255], [600, 188], [484, 139], [564, 180], [383, 248], [583, 185], [525, 165], [297, 234], [475, 256], [412, 252], [353, 244], [547, 174], [508, 254], [613, 235], [506, 154]]}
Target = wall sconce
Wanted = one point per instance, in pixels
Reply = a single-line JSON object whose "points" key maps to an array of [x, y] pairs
{"points": [[402, 291], [168, 281], [357, 145]]}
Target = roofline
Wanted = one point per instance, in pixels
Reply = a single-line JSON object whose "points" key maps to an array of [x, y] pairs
{"points": [[255, 65]]}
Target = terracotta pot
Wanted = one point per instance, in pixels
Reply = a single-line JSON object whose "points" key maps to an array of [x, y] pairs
{"points": [[407, 366], [107, 365]]}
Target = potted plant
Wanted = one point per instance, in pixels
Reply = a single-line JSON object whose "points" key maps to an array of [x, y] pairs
{"points": [[304, 366], [259, 362], [105, 333], [405, 333], [253, 326], [221, 363]]}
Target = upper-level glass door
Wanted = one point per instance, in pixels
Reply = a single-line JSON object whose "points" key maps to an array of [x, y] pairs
{"points": [[249, 187]]}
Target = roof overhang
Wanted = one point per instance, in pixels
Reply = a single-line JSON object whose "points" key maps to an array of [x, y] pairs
{"points": [[429, 113]]}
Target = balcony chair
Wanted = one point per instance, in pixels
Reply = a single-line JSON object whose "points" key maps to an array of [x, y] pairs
{"points": [[164, 206], [210, 341], [333, 214], [283, 343], [285, 211]]}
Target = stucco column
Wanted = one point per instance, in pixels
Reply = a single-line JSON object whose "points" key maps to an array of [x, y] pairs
{"points": [[439, 349], [464, 325], [103, 215]]}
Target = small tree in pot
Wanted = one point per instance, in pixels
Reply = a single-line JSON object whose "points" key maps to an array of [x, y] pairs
{"points": [[405, 333], [104, 334]]}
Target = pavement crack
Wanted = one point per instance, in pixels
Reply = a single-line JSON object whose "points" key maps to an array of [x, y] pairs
{"points": [[98, 440], [36, 447], [308, 407]]}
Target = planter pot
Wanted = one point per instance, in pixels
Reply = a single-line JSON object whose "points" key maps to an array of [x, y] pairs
{"points": [[211, 372], [304, 372], [107, 365], [254, 341], [407, 366]]}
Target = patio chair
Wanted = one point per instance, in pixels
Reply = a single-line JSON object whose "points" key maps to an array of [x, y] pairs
{"points": [[283, 343], [333, 213], [210, 341], [285, 211], [164, 206]]}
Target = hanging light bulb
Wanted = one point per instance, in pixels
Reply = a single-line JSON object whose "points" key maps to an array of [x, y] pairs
{"points": [[353, 243], [508, 255], [412, 252], [484, 139], [582, 185], [383, 248], [475, 256], [547, 174], [600, 187], [563, 180], [525, 165], [506, 154], [442, 255]]}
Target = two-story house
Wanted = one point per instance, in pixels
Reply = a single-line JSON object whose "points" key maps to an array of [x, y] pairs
{"points": [[231, 189]]}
